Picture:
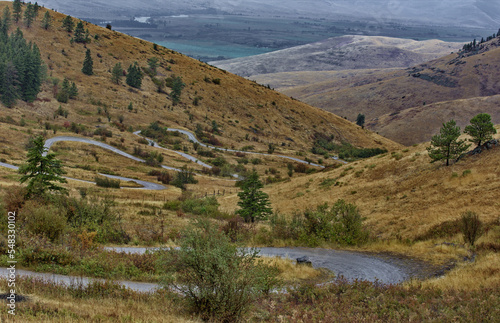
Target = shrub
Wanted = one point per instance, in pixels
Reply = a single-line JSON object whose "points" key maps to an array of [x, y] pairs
{"points": [[107, 182], [218, 280], [341, 224], [471, 227], [185, 176], [42, 219]]}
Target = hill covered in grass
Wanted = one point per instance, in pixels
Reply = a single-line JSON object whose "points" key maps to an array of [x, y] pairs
{"points": [[407, 105], [243, 113]]}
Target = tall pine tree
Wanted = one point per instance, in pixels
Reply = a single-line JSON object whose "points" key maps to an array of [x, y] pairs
{"points": [[9, 84], [253, 202], [88, 64], [17, 10], [79, 33], [68, 24], [29, 15], [446, 145], [46, 20], [134, 76]]}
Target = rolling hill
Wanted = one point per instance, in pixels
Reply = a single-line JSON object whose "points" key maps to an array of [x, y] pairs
{"points": [[341, 53], [418, 99]]}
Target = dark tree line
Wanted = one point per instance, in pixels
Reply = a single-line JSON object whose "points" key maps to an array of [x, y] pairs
{"points": [[20, 68], [474, 45]]}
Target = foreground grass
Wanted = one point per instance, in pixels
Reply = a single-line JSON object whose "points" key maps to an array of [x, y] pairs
{"points": [[339, 301], [100, 302], [371, 302]]}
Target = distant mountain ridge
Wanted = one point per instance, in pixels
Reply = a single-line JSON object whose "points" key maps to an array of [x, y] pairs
{"points": [[478, 13], [342, 53]]}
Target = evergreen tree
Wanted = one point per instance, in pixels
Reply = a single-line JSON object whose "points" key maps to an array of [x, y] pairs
{"points": [[88, 64], [73, 91], [41, 170], [79, 33], [6, 20], [68, 24], [134, 76], [446, 145], [177, 86], [29, 15], [36, 9], [17, 10], [9, 84], [117, 73], [153, 64], [253, 202], [46, 21], [481, 129], [29, 64], [21, 64], [360, 120]]}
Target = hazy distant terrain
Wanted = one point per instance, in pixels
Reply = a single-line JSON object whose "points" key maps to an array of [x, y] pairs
{"points": [[342, 53], [478, 13], [225, 29]]}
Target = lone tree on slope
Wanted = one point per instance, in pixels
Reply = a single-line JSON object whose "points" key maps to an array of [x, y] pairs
{"points": [[446, 145], [41, 170], [88, 64], [360, 120], [481, 129], [253, 202]]}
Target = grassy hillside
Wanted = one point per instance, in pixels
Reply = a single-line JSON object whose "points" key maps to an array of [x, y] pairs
{"points": [[246, 113], [390, 96]]}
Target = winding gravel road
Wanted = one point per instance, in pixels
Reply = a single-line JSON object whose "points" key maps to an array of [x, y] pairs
{"points": [[193, 138], [351, 265], [149, 185], [145, 185]]}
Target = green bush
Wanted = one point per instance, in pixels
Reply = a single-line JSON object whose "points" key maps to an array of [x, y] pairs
{"points": [[218, 280], [40, 219], [185, 176], [340, 224], [107, 182], [207, 206]]}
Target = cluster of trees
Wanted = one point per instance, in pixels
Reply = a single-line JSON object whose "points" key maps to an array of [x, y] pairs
{"points": [[81, 35], [447, 146], [473, 45], [21, 71], [68, 91]]}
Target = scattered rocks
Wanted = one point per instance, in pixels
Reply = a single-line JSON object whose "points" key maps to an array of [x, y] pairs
{"points": [[486, 146]]}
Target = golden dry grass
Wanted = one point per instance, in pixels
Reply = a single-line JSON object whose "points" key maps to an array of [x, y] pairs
{"points": [[70, 309], [401, 195], [236, 104], [484, 272], [289, 271]]}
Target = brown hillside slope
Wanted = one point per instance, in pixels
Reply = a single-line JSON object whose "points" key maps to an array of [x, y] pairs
{"points": [[402, 195], [247, 113], [380, 93]]}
